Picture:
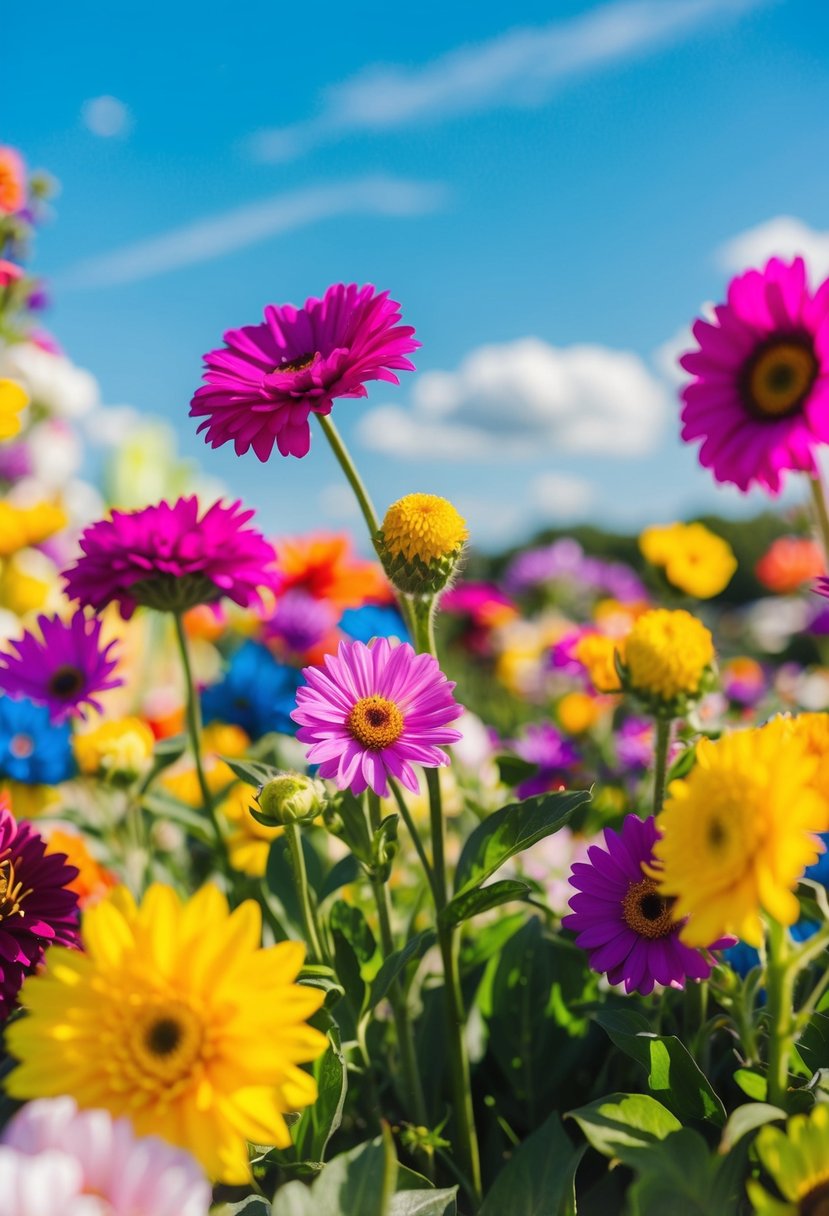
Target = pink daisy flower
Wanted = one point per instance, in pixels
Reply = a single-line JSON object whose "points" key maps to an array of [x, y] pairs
{"points": [[371, 711], [169, 558], [65, 668], [759, 399], [268, 378], [102, 1158]]}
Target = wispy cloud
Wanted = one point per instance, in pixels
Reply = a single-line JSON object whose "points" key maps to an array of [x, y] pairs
{"points": [[521, 68], [205, 239], [785, 236]]}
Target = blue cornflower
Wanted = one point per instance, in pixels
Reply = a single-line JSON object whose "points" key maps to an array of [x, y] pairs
{"points": [[374, 621], [33, 749], [256, 693]]}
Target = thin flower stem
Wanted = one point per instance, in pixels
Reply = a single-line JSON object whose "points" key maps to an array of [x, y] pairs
{"points": [[350, 469], [397, 995], [780, 977], [660, 768], [424, 625], [194, 730], [821, 511], [306, 905], [413, 832]]}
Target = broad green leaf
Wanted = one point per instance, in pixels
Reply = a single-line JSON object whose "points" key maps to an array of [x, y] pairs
{"points": [[511, 830], [322, 1118], [752, 1084], [490, 939], [676, 1178], [424, 1203], [293, 1199], [512, 769], [354, 948], [481, 899], [813, 1045], [414, 949], [345, 872], [625, 1125], [745, 1119], [251, 772], [358, 1183], [537, 1178], [672, 1073]]}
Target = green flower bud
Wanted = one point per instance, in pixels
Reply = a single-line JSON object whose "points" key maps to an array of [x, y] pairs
{"points": [[292, 798]]}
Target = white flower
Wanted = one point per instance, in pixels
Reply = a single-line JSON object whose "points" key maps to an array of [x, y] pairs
{"points": [[52, 381]]}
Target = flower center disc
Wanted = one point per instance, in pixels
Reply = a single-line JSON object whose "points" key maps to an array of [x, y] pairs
{"points": [[375, 722], [646, 911], [11, 891], [300, 364], [167, 1041], [66, 682], [778, 378], [816, 1201]]}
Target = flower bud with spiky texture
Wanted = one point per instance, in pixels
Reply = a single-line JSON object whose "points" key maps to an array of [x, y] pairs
{"points": [[420, 542], [668, 662]]}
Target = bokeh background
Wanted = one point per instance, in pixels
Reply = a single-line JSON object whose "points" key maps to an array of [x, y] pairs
{"points": [[551, 195]]}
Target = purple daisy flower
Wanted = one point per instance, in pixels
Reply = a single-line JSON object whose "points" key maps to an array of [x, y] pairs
{"points": [[37, 909], [64, 669], [624, 922], [268, 378], [371, 711], [167, 557]]}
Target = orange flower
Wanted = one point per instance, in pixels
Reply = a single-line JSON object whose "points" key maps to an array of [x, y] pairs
{"points": [[788, 563], [324, 566], [93, 881], [12, 181]]}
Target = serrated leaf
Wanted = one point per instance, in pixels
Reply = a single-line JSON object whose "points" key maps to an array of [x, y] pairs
{"points": [[511, 830], [538, 1178], [414, 949], [471, 903]]}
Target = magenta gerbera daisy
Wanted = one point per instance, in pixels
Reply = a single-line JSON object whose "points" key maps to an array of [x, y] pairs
{"points": [[65, 668], [169, 558], [372, 711], [262, 385], [36, 907], [624, 922], [759, 399]]}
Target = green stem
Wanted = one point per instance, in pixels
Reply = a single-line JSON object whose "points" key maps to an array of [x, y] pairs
{"points": [[306, 903], [350, 469], [424, 625], [193, 712], [406, 816], [821, 511], [467, 1139], [780, 977], [660, 762]]}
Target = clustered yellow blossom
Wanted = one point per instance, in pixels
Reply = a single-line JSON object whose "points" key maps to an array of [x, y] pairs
{"points": [[694, 559], [420, 541], [738, 832], [120, 750], [667, 655], [202, 1030]]}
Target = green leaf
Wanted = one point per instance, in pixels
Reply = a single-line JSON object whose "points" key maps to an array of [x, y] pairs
{"points": [[165, 753], [280, 877], [510, 831], [251, 772], [745, 1119], [293, 1199], [481, 899], [512, 769], [345, 872], [752, 1084], [677, 1178], [625, 1126], [672, 1073], [537, 1178], [320, 1120], [254, 1206], [415, 948], [357, 1183], [490, 939], [165, 806], [424, 1203], [813, 1045], [682, 765]]}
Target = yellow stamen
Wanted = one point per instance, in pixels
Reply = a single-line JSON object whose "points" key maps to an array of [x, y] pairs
{"points": [[375, 722]]}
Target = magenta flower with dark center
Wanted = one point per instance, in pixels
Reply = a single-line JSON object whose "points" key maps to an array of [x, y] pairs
{"points": [[64, 669], [624, 922], [170, 558], [36, 907], [266, 380], [374, 710], [759, 400]]}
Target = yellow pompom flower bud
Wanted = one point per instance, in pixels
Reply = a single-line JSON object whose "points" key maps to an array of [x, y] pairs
{"points": [[668, 662], [420, 541]]}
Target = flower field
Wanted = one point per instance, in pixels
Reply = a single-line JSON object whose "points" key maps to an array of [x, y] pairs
{"points": [[424, 884]]}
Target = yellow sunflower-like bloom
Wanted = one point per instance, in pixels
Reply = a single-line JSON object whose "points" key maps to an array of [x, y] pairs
{"points": [[248, 841], [13, 399], [668, 655], [812, 730], [174, 1015], [737, 835], [798, 1161], [597, 654], [117, 751], [420, 541], [694, 559]]}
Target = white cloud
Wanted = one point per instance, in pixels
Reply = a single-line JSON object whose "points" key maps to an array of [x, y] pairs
{"points": [[520, 68], [202, 240], [784, 236], [561, 496], [525, 400], [106, 116]]}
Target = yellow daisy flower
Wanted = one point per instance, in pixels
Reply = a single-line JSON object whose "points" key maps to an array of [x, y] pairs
{"points": [[174, 1015], [812, 729], [13, 399], [798, 1161], [737, 835], [694, 559], [668, 656]]}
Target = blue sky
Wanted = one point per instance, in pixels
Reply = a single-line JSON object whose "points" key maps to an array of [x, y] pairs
{"points": [[550, 199]]}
